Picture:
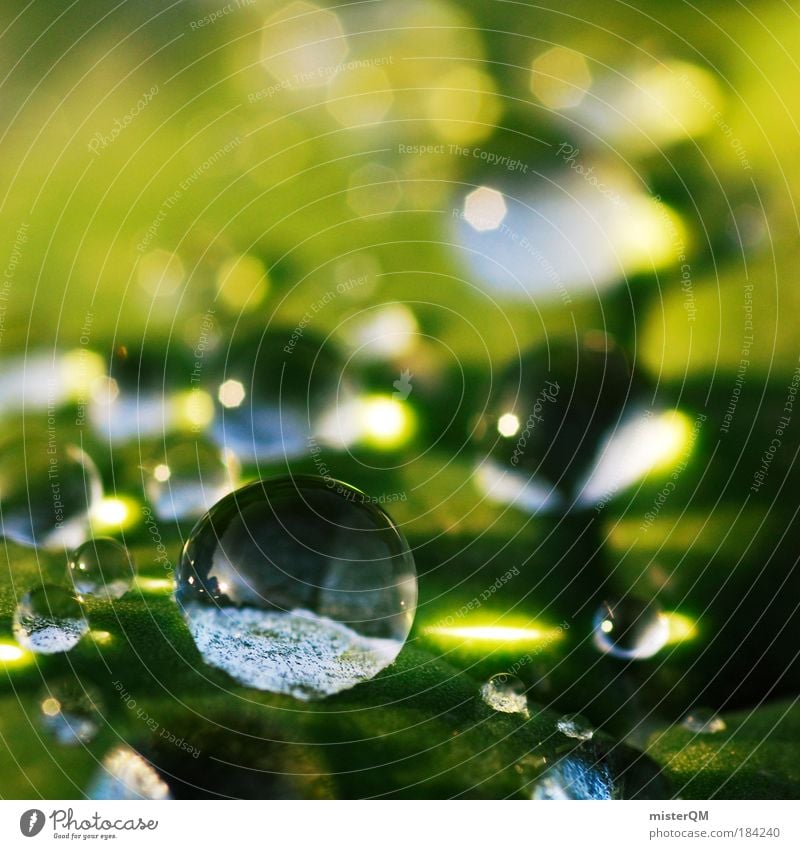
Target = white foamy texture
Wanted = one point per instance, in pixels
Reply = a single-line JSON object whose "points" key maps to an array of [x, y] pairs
{"points": [[296, 653], [124, 775], [49, 636], [504, 698]]}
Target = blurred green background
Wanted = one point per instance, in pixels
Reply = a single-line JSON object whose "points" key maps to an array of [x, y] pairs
{"points": [[463, 180]]}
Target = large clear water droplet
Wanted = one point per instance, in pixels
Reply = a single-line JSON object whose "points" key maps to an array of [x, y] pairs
{"points": [[48, 620], [298, 585], [576, 726], [549, 412], [126, 775], [703, 721], [505, 693], [48, 490], [275, 391], [574, 777], [102, 567], [187, 477], [70, 712], [630, 628]]}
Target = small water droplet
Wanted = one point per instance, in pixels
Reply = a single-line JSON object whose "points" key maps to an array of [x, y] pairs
{"points": [[630, 628], [505, 693], [101, 567], [48, 620], [126, 775], [704, 721], [69, 712], [298, 585], [576, 726]]}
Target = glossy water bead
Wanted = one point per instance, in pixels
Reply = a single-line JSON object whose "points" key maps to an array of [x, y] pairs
{"points": [[49, 619], [575, 777], [704, 721], [298, 585], [70, 712], [101, 567], [576, 726], [547, 416], [505, 693], [630, 628], [48, 489]]}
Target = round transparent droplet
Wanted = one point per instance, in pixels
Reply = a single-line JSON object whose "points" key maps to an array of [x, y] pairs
{"points": [[125, 775], [576, 726], [300, 586], [277, 393], [548, 413], [703, 721], [630, 628], [48, 490], [70, 712], [48, 620], [102, 568], [505, 693], [187, 477]]}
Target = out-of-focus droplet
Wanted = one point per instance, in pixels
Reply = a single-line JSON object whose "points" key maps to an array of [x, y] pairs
{"points": [[299, 586], [703, 721], [276, 391], [186, 477], [101, 567], [574, 777], [242, 283], [373, 190], [630, 628], [548, 413], [125, 775], [70, 712], [505, 693], [48, 620], [576, 726], [48, 490], [560, 77]]}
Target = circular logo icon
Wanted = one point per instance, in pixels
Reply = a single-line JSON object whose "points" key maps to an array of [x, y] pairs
{"points": [[31, 822]]}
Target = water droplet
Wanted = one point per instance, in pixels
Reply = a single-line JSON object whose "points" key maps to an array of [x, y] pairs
{"points": [[298, 585], [187, 477], [49, 619], [126, 775], [101, 567], [630, 628], [275, 391], [549, 412], [704, 721], [47, 491], [505, 693], [574, 777], [69, 712], [576, 726]]}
